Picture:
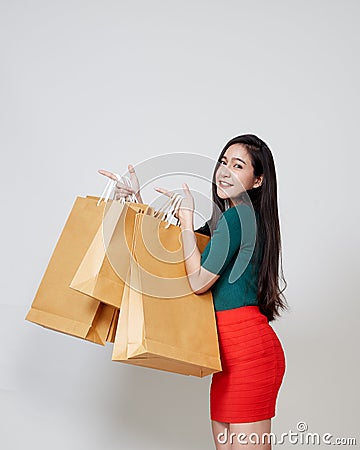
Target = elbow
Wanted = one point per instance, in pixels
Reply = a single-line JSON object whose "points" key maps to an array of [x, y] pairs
{"points": [[195, 283], [199, 291], [202, 281], [199, 288]]}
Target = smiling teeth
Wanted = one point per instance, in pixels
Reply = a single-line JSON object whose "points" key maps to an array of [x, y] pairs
{"points": [[224, 183]]}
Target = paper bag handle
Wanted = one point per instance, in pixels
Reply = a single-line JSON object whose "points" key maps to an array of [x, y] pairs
{"points": [[176, 200], [110, 187], [171, 204], [159, 213]]}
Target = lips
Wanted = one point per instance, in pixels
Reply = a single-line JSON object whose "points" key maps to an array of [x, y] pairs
{"points": [[224, 184]]}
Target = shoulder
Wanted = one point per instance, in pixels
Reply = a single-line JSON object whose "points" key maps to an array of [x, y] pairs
{"points": [[239, 214], [240, 219]]}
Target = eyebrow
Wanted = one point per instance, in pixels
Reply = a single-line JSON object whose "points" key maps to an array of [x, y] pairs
{"points": [[235, 158]]}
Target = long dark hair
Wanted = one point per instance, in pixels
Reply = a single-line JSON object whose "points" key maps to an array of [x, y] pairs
{"points": [[264, 201]]}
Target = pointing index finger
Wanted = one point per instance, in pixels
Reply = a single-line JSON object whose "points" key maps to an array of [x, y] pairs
{"points": [[108, 174], [164, 191]]}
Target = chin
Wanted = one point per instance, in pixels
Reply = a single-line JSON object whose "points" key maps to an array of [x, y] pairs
{"points": [[222, 196]]}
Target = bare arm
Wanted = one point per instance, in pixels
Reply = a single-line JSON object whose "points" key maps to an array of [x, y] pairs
{"points": [[200, 279]]}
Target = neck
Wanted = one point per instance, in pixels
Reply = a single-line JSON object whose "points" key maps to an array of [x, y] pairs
{"points": [[235, 202]]}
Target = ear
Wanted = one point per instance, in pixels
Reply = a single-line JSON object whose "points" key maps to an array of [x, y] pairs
{"points": [[258, 181]]}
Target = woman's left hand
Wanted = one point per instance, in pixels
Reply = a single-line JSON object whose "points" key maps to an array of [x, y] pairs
{"points": [[185, 210]]}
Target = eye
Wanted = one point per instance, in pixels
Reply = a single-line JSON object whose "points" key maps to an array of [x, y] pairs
{"points": [[238, 166]]}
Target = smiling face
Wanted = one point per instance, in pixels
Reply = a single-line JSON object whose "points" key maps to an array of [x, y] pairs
{"points": [[235, 174]]}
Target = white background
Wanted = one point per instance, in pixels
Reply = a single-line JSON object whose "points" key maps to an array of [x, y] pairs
{"points": [[88, 85]]}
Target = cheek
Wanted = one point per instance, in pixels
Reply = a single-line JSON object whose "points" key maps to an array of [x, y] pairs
{"points": [[244, 180], [241, 178]]}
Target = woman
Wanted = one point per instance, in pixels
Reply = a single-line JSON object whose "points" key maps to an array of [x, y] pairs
{"points": [[244, 192]]}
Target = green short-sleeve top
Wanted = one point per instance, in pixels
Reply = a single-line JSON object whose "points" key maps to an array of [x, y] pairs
{"points": [[232, 254]]}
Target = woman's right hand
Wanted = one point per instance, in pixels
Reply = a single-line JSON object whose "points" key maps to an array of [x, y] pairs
{"points": [[122, 189]]}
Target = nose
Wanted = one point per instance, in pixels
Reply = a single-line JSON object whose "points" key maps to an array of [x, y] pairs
{"points": [[224, 172]]}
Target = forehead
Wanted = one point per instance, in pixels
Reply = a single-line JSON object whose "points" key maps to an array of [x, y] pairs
{"points": [[236, 150]]}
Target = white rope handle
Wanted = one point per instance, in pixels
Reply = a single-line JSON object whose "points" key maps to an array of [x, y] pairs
{"points": [[132, 197], [163, 208], [110, 187], [177, 199]]}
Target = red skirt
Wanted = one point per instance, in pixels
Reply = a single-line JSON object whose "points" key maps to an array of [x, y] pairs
{"points": [[253, 366]]}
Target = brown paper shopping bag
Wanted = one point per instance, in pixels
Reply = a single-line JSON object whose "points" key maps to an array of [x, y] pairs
{"points": [[60, 308], [162, 323], [102, 271]]}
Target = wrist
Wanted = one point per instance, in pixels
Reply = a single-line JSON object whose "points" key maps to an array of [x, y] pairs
{"points": [[187, 224]]}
